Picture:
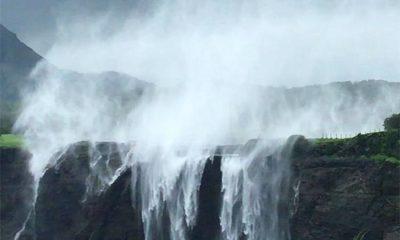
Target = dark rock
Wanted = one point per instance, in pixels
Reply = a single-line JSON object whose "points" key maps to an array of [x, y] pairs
{"points": [[59, 209], [113, 216], [65, 209], [327, 197], [210, 200], [16, 190], [340, 197]]}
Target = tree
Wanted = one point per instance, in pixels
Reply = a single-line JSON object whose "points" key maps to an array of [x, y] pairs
{"points": [[392, 122]]}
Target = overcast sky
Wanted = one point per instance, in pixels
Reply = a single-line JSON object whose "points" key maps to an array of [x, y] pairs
{"points": [[35, 21], [267, 41]]}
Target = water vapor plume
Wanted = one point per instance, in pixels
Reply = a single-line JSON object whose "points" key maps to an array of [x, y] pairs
{"points": [[263, 42], [211, 65]]}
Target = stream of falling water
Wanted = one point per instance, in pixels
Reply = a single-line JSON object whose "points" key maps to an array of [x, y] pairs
{"points": [[168, 192], [107, 161], [166, 186], [252, 185]]}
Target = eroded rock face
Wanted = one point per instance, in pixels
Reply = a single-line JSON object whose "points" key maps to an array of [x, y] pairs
{"points": [[66, 208], [67, 205], [113, 216], [341, 194], [330, 197], [16, 190], [339, 198], [210, 200]]}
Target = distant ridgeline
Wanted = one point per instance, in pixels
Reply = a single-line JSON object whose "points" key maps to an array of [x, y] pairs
{"points": [[17, 60]]}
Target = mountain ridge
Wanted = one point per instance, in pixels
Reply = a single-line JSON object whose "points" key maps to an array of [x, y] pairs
{"points": [[17, 60], [16, 68]]}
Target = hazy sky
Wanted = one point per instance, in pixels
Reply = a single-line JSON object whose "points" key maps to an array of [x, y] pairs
{"points": [[35, 21], [268, 42]]}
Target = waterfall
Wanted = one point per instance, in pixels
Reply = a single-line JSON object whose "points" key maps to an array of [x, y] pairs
{"points": [[254, 186], [168, 185], [219, 72], [254, 181], [107, 161]]}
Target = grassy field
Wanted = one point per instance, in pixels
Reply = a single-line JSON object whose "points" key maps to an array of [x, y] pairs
{"points": [[10, 140]]}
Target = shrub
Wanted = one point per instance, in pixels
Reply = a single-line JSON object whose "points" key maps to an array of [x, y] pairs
{"points": [[392, 122]]}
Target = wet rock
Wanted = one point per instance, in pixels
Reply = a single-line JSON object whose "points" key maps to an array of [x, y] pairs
{"points": [[65, 207], [16, 190], [341, 197], [113, 216], [59, 205], [210, 200], [330, 197]]}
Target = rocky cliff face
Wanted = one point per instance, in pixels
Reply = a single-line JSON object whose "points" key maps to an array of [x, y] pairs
{"points": [[16, 190], [337, 198], [331, 196], [346, 187], [65, 209], [17, 61]]}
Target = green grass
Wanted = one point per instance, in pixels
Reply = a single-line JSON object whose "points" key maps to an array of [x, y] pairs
{"points": [[383, 158], [379, 146], [331, 140], [11, 140]]}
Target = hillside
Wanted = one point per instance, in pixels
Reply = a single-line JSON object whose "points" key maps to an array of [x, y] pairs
{"points": [[17, 61]]}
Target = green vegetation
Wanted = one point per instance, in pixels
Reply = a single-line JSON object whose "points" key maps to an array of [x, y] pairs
{"points": [[383, 158], [331, 140], [8, 115], [392, 122], [379, 146], [10, 140]]}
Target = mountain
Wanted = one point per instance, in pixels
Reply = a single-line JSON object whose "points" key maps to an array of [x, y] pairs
{"points": [[17, 60], [344, 104]]}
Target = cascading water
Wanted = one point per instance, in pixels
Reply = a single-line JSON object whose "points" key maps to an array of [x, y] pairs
{"points": [[166, 177], [210, 65], [253, 182], [165, 187], [168, 186], [106, 163]]}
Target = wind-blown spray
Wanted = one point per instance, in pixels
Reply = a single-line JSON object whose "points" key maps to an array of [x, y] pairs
{"points": [[212, 63]]}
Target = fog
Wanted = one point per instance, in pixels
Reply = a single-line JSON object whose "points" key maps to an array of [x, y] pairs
{"points": [[211, 63], [289, 43]]}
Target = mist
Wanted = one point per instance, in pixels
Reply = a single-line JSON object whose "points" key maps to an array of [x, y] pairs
{"points": [[223, 73], [210, 63], [280, 43]]}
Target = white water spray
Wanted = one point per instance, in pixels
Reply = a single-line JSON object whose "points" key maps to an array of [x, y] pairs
{"points": [[253, 185], [168, 186], [214, 62]]}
